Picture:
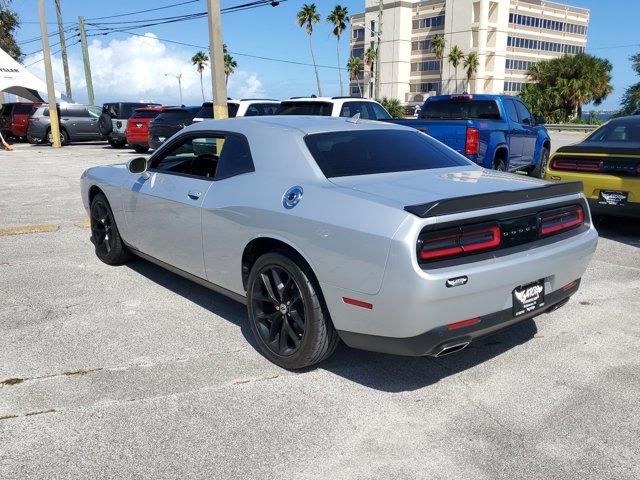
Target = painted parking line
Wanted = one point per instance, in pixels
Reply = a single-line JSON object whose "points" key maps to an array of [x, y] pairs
{"points": [[26, 229]]}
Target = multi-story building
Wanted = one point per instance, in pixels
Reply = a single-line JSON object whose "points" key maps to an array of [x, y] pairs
{"points": [[508, 36]]}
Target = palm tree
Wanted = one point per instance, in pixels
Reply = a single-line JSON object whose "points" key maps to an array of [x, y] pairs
{"points": [[437, 47], [307, 17], [471, 67], [370, 56], [354, 66], [200, 60], [339, 17], [455, 57], [230, 64]]}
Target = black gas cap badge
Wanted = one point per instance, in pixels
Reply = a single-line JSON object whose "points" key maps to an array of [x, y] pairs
{"points": [[457, 281]]}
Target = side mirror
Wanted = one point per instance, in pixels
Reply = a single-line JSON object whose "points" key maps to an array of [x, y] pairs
{"points": [[138, 165], [540, 120]]}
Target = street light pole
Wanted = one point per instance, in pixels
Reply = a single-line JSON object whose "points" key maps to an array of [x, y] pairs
{"points": [[179, 77], [218, 84], [51, 91]]}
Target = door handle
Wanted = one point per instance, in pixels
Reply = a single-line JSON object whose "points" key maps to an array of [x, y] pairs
{"points": [[193, 195]]}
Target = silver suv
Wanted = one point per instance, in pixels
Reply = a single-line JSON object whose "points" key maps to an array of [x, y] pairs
{"points": [[78, 123]]}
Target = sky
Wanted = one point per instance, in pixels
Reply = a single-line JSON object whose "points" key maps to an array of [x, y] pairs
{"points": [[127, 67]]}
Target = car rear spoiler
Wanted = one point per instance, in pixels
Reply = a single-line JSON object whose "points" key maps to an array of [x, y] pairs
{"points": [[502, 198]]}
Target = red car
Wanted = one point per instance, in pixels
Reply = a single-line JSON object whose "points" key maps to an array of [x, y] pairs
{"points": [[137, 131], [15, 118]]}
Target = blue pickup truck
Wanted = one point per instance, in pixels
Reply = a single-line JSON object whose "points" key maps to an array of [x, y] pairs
{"points": [[494, 131]]}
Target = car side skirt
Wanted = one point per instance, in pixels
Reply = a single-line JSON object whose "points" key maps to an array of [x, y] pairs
{"points": [[200, 281], [430, 343]]}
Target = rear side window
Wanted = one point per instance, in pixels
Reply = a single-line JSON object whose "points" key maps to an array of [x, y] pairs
{"points": [[379, 113], [24, 108], [145, 114], [523, 113], [306, 108], [367, 152], [511, 110], [232, 109], [349, 109], [74, 111], [461, 109], [235, 158]]}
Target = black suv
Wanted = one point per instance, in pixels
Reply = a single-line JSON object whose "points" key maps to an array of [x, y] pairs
{"points": [[113, 121], [170, 121]]}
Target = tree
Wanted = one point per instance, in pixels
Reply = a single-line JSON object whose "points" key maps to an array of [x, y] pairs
{"points": [[230, 64], [455, 57], [339, 17], [393, 106], [307, 17], [561, 86], [631, 97], [370, 56], [200, 60], [437, 47], [9, 22], [355, 66], [471, 67]]}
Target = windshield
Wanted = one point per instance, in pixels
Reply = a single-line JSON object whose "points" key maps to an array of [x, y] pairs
{"points": [[146, 114], [626, 131], [461, 109], [366, 152], [207, 110], [306, 108]]}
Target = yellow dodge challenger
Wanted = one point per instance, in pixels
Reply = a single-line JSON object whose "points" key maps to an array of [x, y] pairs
{"points": [[608, 164]]}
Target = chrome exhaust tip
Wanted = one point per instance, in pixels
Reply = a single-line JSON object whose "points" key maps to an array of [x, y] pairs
{"points": [[451, 348]]}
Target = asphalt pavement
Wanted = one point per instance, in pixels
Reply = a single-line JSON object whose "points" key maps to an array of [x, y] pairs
{"points": [[133, 372]]}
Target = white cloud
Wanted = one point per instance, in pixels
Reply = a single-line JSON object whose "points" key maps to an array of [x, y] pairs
{"points": [[134, 69]]}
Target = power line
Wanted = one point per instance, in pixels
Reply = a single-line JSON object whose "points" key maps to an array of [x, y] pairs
{"points": [[54, 53], [145, 11]]}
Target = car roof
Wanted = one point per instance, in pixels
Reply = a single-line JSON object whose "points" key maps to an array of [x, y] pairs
{"points": [[326, 99], [306, 124]]}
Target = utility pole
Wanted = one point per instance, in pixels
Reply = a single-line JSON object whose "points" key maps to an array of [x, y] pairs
{"points": [[218, 83], [5, 6], [379, 34], [85, 58], [51, 91], [63, 50]]}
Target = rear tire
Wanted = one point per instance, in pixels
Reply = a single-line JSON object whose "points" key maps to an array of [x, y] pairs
{"points": [[498, 164], [141, 148], [105, 235], [64, 137], [541, 168], [117, 143], [287, 314], [105, 127]]}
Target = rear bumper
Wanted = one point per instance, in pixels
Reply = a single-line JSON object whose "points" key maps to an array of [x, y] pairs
{"points": [[117, 136], [433, 342], [625, 210]]}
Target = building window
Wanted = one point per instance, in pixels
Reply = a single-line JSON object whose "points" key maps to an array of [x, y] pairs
{"points": [[357, 52], [425, 87], [427, 66], [513, 64], [373, 26], [421, 45], [513, 87], [358, 34], [546, 24], [431, 22], [530, 44]]}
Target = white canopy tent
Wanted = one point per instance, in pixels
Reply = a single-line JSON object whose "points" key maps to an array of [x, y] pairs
{"points": [[17, 80]]}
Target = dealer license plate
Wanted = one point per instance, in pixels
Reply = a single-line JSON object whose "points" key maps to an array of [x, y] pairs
{"points": [[528, 298], [612, 197]]}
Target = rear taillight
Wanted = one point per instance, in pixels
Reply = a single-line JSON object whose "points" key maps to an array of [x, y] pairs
{"points": [[560, 220], [577, 165], [472, 141], [458, 241]]}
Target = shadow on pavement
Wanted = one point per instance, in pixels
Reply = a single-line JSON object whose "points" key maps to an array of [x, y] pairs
{"points": [[389, 373], [624, 230]]}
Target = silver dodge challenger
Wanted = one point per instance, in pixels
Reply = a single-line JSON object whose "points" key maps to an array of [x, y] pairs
{"points": [[333, 228]]}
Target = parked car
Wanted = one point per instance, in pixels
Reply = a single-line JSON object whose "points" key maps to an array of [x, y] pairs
{"points": [[250, 107], [113, 120], [14, 118], [78, 123], [137, 131], [334, 228], [334, 107], [170, 121], [607, 163], [494, 131]]}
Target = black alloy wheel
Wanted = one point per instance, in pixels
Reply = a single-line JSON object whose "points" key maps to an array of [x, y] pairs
{"points": [[278, 310], [104, 233]]}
